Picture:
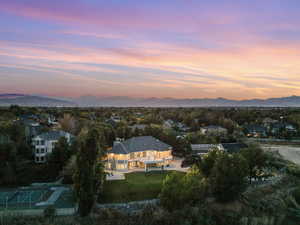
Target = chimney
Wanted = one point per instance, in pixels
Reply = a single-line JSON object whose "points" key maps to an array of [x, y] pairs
{"points": [[118, 141]]}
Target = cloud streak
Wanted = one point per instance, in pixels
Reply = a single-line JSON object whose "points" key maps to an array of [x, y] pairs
{"points": [[151, 48]]}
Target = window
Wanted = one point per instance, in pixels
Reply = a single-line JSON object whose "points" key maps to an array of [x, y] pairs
{"points": [[37, 159], [37, 151], [42, 150], [144, 154], [132, 155], [42, 159], [42, 142]]}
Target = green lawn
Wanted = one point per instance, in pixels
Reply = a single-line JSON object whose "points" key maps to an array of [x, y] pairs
{"points": [[137, 186]]}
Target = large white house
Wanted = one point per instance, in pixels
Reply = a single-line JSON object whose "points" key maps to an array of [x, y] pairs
{"points": [[45, 143], [138, 152]]}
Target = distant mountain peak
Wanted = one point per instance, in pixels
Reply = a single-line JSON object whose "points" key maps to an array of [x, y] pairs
{"points": [[124, 101]]}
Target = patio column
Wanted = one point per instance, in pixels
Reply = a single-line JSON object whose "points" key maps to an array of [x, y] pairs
{"points": [[145, 167]]}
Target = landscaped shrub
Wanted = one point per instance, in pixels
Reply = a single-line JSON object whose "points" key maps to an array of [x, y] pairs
{"points": [[296, 195], [49, 212], [293, 169]]}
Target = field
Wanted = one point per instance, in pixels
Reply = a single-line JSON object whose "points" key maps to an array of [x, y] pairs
{"points": [[137, 186], [291, 153]]}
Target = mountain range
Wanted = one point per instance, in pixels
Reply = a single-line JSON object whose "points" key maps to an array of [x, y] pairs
{"points": [[92, 101], [31, 100]]}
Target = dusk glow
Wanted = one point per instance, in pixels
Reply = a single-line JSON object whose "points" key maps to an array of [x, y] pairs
{"points": [[236, 49]]}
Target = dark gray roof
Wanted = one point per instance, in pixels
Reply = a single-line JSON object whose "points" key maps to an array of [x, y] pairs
{"points": [[203, 147], [139, 144], [213, 127], [255, 128], [234, 147], [53, 135], [138, 126]]}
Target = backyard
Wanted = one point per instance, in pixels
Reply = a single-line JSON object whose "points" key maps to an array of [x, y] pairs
{"points": [[137, 186]]}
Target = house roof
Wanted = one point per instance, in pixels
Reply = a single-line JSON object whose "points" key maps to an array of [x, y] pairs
{"points": [[53, 135], [138, 126], [139, 144], [255, 128], [269, 120], [203, 147], [213, 127], [111, 122], [233, 147]]}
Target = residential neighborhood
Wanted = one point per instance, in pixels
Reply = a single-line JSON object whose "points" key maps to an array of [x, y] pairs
{"points": [[133, 153]]}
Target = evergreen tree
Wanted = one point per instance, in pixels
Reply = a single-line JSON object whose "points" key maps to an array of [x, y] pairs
{"points": [[61, 153], [89, 172], [228, 177], [256, 160]]}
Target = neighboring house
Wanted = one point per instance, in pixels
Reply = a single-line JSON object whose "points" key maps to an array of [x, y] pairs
{"points": [[31, 131], [213, 130], [29, 117], [113, 120], [181, 127], [233, 147], [138, 152], [255, 130], [171, 124], [268, 121], [278, 127], [52, 121], [117, 119], [44, 144], [200, 149], [31, 126], [138, 126], [168, 124]]}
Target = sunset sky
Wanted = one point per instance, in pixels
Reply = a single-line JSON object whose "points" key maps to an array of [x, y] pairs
{"points": [[237, 49]]}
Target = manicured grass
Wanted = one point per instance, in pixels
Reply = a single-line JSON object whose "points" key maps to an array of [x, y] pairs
{"points": [[137, 186]]}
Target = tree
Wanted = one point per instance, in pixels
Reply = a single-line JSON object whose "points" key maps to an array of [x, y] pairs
{"points": [[24, 150], [68, 123], [171, 197], [228, 177], [69, 170], [89, 173], [207, 162], [61, 153], [178, 191], [256, 160], [194, 187]]}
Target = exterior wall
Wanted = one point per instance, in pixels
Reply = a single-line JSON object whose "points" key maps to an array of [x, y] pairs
{"points": [[137, 159], [42, 148]]}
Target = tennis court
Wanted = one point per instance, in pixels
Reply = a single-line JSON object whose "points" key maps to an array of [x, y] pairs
{"points": [[22, 197]]}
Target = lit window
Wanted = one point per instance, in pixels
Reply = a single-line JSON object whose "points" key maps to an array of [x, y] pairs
{"points": [[132, 155]]}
